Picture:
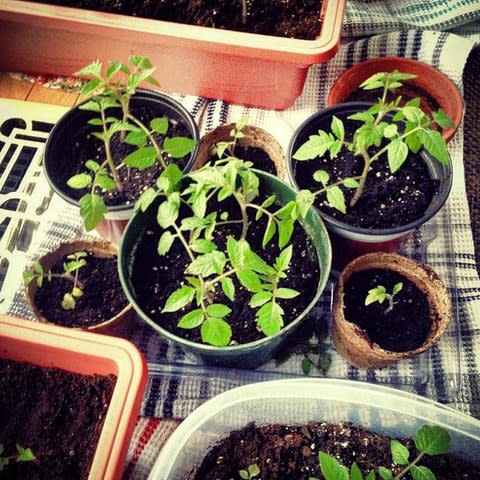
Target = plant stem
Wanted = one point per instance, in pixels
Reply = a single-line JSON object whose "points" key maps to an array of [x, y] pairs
{"points": [[244, 12], [108, 152], [363, 177], [408, 467]]}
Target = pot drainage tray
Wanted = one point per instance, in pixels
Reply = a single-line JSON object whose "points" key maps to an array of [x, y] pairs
{"points": [[34, 219]]}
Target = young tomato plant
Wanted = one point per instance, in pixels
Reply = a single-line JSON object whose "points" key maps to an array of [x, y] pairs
{"points": [[379, 294], [111, 92], [185, 217], [387, 131], [21, 455], [71, 269]]}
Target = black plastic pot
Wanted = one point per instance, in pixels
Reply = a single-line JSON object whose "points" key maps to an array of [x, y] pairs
{"points": [[349, 242], [247, 355], [60, 153]]}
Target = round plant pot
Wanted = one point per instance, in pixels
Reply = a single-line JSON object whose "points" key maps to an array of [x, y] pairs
{"points": [[348, 241], [437, 90], [253, 137], [60, 153], [353, 343], [247, 355], [122, 322]]}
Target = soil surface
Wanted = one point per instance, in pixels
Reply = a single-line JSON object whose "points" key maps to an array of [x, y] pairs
{"points": [[103, 296], [58, 414], [283, 18], [154, 278], [291, 452], [134, 181], [257, 156], [388, 200], [405, 327]]}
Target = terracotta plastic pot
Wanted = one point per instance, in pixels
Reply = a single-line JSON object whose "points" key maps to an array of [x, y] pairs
{"points": [[251, 69], [253, 137], [86, 354], [59, 152], [247, 355], [121, 323], [429, 79], [353, 343], [349, 242]]}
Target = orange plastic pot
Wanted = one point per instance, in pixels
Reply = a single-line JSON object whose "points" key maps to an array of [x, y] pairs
{"points": [[86, 353], [257, 70], [429, 79]]}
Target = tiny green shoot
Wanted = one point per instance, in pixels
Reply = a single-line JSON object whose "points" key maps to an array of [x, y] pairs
{"points": [[22, 455], [379, 294], [252, 472]]}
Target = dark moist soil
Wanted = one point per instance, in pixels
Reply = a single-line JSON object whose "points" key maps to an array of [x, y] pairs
{"points": [[134, 181], [404, 328], [282, 18], [257, 156], [388, 200], [58, 414], [154, 278], [291, 452], [103, 296]]}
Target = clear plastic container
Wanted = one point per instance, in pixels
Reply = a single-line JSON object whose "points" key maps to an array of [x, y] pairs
{"points": [[296, 401]]}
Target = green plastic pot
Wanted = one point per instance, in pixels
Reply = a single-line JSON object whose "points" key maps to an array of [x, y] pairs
{"points": [[248, 355]]}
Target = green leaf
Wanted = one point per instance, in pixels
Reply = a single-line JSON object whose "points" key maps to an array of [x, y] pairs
{"points": [[432, 440], [92, 210], [68, 302], [218, 310], [228, 287], [413, 114], [170, 178], [192, 319], [397, 154], [70, 267], [81, 180], [355, 473], [442, 119], [413, 142], [285, 231], [390, 130], [93, 69], [385, 473], [337, 128], [138, 138], [178, 147], [400, 453], [321, 176], [371, 475], [314, 147], [167, 213], [146, 199], [159, 125], [179, 298], [435, 144], [24, 454], [331, 467], [142, 158], [77, 292], [336, 198], [253, 470], [270, 231], [376, 294], [140, 61], [285, 293], [260, 298], [397, 288], [216, 332], [250, 280], [422, 473], [105, 182], [243, 474], [208, 264], [304, 200], [270, 318], [113, 68], [203, 246], [165, 243], [306, 365]]}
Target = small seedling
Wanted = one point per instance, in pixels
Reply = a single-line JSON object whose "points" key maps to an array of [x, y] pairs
{"points": [[429, 440], [22, 455], [388, 131], [111, 93], [71, 270], [379, 294], [252, 472]]}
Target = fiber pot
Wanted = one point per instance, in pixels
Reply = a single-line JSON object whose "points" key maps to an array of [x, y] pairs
{"points": [[247, 355], [353, 343], [253, 137], [60, 151], [298, 401], [119, 324], [349, 242], [251, 69], [86, 353], [435, 86]]}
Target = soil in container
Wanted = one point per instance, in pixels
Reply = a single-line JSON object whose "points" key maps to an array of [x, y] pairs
{"points": [[278, 18], [57, 414], [291, 452], [102, 298]]}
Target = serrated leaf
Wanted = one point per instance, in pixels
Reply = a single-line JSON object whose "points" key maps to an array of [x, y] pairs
{"points": [[435, 144], [178, 147], [146, 199], [105, 182], [442, 119], [250, 280], [192, 319], [141, 158], [304, 200], [179, 298], [397, 152], [138, 138], [165, 243], [350, 183], [218, 310], [390, 130], [432, 440], [331, 467], [385, 474], [216, 332], [315, 146], [376, 294], [208, 264], [92, 210], [336, 198], [270, 231], [203, 246], [93, 69], [413, 142], [92, 165], [321, 176], [338, 128], [167, 213], [422, 473], [285, 293], [260, 298], [24, 454], [79, 181], [270, 318], [285, 231], [282, 262], [228, 287], [159, 125], [413, 114], [400, 453]]}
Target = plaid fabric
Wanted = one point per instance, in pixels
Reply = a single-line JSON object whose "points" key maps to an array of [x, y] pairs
{"points": [[447, 373]]}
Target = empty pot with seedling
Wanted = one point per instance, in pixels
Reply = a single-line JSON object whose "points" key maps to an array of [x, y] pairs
{"points": [[77, 285], [105, 152], [374, 171], [208, 261], [386, 308]]}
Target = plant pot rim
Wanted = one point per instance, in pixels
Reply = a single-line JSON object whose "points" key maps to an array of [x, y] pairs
{"points": [[361, 233], [120, 322], [244, 347], [114, 212], [360, 350], [451, 102], [86, 353]]}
